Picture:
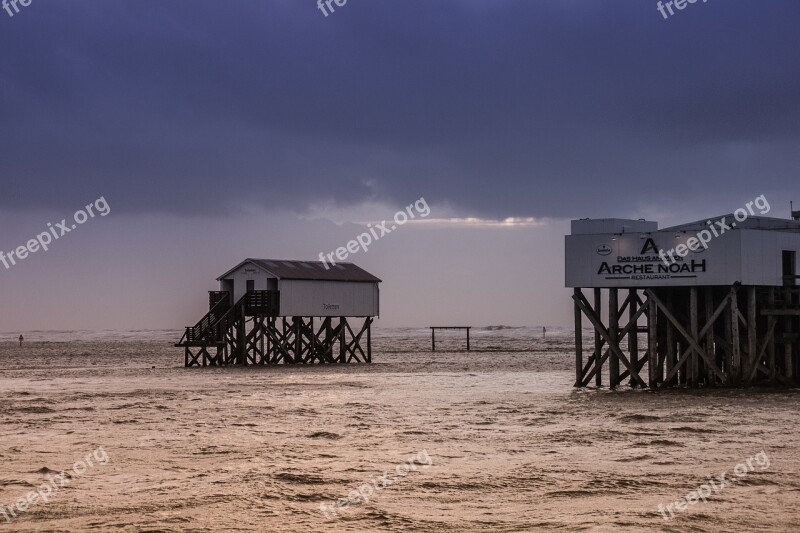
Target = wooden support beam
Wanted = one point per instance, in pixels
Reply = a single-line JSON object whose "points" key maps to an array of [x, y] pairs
{"points": [[638, 367], [613, 331], [788, 351], [757, 366], [735, 372], [342, 340], [771, 324], [669, 367], [633, 337], [652, 340], [603, 332], [579, 372], [753, 359], [369, 339], [598, 345], [625, 331], [694, 362], [708, 305], [693, 345]]}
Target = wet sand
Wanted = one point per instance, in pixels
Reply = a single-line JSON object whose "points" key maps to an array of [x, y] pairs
{"points": [[513, 447]]}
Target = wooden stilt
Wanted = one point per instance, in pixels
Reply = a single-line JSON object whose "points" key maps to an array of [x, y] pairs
{"points": [[694, 367], [579, 372], [736, 355], [633, 336], [613, 331], [708, 308], [652, 342], [683, 350], [753, 359], [598, 341], [771, 325], [369, 340], [670, 353]]}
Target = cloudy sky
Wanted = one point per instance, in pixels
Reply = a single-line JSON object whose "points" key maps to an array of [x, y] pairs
{"points": [[221, 130]]}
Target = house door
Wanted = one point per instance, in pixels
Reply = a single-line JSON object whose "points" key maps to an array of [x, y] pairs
{"points": [[227, 285], [251, 285]]}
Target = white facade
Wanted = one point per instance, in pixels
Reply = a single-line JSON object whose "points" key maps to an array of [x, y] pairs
{"points": [[633, 259], [328, 298], [306, 297]]}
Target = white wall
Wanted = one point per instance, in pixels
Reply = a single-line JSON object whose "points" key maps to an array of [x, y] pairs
{"points": [[751, 257], [328, 298], [240, 277], [762, 255], [311, 298]]}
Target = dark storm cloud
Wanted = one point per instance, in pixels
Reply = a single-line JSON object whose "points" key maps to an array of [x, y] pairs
{"points": [[501, 108]]}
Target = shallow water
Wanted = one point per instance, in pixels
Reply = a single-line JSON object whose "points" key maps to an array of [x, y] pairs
{"points": [[512, 446]]}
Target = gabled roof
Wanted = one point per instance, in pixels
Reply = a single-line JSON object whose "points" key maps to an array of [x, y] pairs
{"points": [[309, 270]]}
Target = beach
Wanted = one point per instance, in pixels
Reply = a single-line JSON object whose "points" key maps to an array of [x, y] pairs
{"points": [[508, 444]]}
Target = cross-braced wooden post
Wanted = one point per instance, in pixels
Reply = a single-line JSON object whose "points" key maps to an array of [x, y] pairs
{"points": [[726, 347]]}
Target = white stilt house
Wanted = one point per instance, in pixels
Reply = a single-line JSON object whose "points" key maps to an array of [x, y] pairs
{"points": [[265, 313], [307, 288]]}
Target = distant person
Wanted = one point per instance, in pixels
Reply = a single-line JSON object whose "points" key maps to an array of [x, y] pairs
{"points": [[21, 338], [544, 332]]}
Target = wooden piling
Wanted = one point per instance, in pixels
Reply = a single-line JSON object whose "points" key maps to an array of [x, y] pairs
{"points": [[652, 343], [736, 355], [694, 366], [633, 335], [578, 341], [613, 331], [598, 342]]}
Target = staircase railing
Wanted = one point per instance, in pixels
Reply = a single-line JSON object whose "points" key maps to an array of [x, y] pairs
{"points": [[266, 303], [211, 328], [199, 331]]}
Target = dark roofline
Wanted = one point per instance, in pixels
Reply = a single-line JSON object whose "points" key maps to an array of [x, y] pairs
{"points": [[309, 270]]}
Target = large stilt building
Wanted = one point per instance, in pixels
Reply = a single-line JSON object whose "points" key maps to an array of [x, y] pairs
{"points": [[709, 303], [276, 311]]}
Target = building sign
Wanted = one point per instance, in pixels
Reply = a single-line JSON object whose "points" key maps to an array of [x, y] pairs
{"points": [[651, 263], [643, 260]]}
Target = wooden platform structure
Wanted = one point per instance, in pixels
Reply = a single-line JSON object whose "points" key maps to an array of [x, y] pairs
{"points": [[251, 333], [250, 326], [727, 315], [689, 336], [433, 334]]}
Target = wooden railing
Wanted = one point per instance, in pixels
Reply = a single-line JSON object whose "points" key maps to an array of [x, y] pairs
{"points": [[211, 328], [266, 303], [214, 297], [200, 330]]}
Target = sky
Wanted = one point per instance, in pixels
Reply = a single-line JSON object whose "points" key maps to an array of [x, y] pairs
{"points": [[216, 131]]}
